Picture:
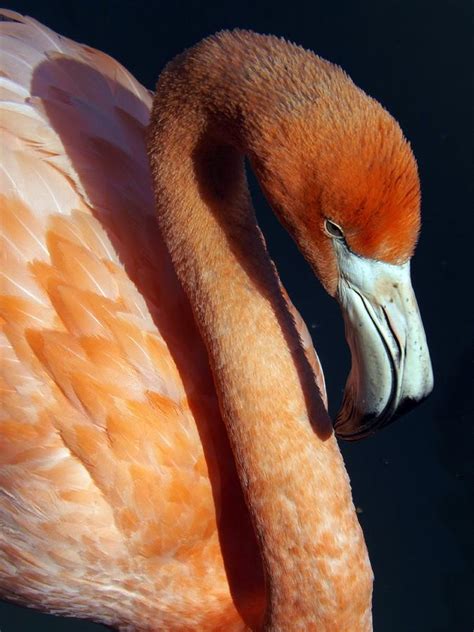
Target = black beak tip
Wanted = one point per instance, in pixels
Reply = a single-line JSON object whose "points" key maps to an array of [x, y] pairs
{"points": [[360, 426], [357, 428]]}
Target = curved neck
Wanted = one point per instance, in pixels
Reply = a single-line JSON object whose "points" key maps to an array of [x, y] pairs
{"points": [[296, 488]]}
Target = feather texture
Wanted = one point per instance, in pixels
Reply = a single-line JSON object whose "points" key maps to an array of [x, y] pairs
{"points": [[118, 494]]}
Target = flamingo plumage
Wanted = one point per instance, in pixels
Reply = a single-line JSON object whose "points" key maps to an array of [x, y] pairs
{"points": [[167, 459]]}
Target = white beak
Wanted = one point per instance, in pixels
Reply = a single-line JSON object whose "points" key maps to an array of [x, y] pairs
{"points": [[391, 368]]}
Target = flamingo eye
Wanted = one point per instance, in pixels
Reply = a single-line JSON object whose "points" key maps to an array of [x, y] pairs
{"points": [[333, 230]]}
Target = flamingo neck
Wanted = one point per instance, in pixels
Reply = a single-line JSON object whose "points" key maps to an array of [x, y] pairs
{"points": [[297, 492]]}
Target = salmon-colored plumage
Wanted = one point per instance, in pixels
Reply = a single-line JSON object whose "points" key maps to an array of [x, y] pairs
{"points": [[120, 484], [108, 406]]}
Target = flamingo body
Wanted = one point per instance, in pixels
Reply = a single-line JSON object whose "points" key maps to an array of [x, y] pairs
{"points": [[115, 467]]}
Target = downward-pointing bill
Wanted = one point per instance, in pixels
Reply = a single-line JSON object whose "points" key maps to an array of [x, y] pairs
{"points": [[391, 368]]}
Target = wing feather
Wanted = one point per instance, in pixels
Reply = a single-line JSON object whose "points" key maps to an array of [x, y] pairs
{"points": [[110, 430], [102, 471]]}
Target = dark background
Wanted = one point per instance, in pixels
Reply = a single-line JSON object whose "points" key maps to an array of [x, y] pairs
{"points": [[410, 482]]}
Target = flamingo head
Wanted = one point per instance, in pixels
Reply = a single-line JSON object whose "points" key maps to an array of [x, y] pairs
{"points": [[344, 181]]}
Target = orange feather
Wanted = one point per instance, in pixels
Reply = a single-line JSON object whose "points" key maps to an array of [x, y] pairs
{"points": [[167, 458]]}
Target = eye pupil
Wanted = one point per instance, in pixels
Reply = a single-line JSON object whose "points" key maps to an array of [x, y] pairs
{"points": [[334, 230]]}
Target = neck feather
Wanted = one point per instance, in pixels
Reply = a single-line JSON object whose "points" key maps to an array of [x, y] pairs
{"points": [[205, 119]]}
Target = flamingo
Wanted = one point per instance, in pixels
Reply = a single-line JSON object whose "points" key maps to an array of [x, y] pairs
{"points": [[167, 459]]}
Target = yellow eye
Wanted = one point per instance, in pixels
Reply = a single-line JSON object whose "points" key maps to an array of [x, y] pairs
{"points": [[333, 230]]}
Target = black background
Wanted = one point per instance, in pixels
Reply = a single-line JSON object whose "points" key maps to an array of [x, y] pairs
{"points": [[410, 482]]}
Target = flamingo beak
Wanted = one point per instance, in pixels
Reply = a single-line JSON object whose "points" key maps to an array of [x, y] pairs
{"points": [[391, 368]]}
